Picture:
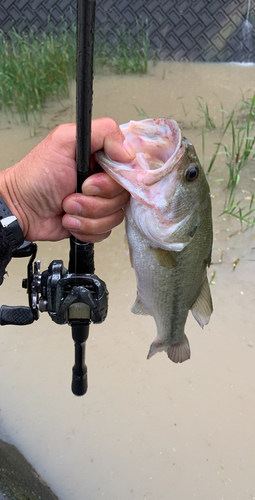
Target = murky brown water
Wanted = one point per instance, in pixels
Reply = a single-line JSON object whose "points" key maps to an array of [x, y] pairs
{"points": [[145, 429]]}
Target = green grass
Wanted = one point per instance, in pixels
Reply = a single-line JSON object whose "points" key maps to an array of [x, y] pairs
{"points": [[204, 113], [143, 115], [33, 68], [239, 150], [245, 214], [130, 54], [38, 66]]}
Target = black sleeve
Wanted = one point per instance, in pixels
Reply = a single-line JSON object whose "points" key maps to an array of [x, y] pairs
{"points": [[5, 253]]}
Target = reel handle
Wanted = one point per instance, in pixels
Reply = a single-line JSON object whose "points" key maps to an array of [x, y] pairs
{"points": [[16, 315]]}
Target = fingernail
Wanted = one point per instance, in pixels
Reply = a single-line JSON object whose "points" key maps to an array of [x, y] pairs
{"points": [[73, 207], [72, 222], [129, 148], [90, 190]]}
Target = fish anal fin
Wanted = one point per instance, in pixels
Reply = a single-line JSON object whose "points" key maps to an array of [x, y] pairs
{"points": [[137, 308], [165, 258], [203, 307], [177, 353], [156, 346]]}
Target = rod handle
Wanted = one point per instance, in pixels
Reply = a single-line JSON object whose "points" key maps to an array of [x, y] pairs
{"points": [[80, 333], [80, 372]]}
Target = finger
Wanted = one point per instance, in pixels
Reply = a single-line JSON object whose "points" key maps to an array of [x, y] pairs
{"points": [[89, 238], [94, 207], [106, 134], [82, 226], [101, 184]]}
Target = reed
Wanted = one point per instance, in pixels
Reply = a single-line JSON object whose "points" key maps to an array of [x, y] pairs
{"points": [[141, 113], [244, 213], [37, 66], [219, 144], [34, 67], [203, 109], [239, 151], [130, 53]]}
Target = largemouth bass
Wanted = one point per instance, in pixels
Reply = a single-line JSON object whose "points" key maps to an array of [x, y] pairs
{"points": [[169, 230]]}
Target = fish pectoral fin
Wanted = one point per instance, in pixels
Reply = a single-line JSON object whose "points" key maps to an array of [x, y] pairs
{"points": [[127, 249], [137, 308], [208, 259], [203, 307], [165, 258], [125, 244]]}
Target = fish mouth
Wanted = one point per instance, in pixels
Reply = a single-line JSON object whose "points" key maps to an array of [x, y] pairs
{"points": [[158, 146]]}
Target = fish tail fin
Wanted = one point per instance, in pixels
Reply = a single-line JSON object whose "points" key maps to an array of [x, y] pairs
{"points": [[177, 353]]}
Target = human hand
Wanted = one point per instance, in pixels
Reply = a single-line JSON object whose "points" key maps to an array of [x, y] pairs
{"points": [[41, 187]]}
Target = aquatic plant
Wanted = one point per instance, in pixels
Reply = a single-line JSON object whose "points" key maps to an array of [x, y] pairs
{"points": [[141, 113], [219, 144], [130, 53], [204, 109], [239, 152], [101, 50], [245, 214], [34, 67]]}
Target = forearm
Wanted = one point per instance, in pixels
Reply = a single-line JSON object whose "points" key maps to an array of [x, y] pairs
{"points": [[11, 235], [5, 253], [9, 194]]}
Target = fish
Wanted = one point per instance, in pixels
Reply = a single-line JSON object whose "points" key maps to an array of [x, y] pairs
{"points": [[169, 230]]}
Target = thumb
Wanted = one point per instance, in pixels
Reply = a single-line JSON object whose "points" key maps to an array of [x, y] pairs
{"points": [[107, 135]]}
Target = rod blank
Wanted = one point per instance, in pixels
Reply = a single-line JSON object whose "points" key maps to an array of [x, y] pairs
{"points": [[84, 83]]}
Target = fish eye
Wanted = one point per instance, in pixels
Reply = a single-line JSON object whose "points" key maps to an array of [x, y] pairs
{"points": [[191, 173]]}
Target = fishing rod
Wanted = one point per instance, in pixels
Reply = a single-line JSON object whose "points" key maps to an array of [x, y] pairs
{"points": [[81, 257], [75, 296]]}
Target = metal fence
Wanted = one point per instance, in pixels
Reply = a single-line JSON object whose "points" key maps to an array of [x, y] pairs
{"points": [[179, 30]]}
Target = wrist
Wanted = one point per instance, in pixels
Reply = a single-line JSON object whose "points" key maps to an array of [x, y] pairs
{"points": [[9, 195]]}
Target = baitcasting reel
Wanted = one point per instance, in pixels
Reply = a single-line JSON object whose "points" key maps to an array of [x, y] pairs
{"points": [[76, 299]]}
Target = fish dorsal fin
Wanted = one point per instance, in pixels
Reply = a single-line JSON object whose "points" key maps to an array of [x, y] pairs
{"points": [[137, 308], [202, 307], [165, 258]]}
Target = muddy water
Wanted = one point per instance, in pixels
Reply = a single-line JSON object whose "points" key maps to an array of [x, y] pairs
{"points": [[145, 429]]}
